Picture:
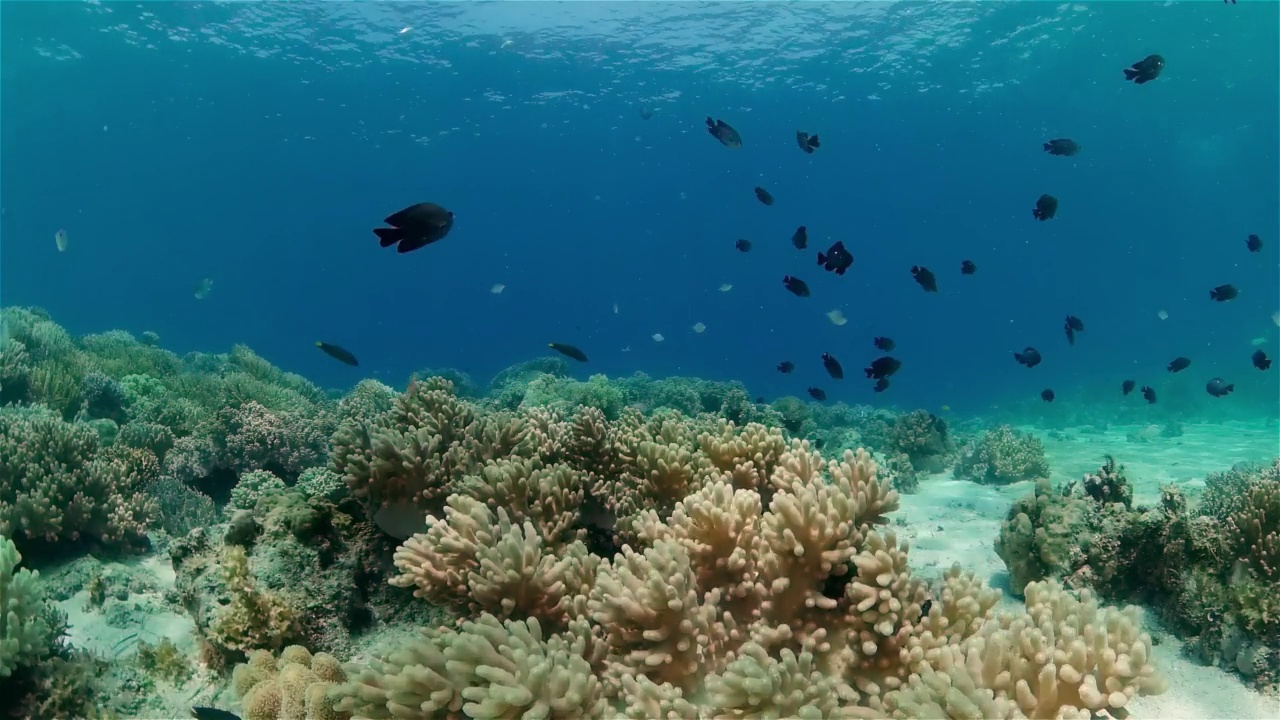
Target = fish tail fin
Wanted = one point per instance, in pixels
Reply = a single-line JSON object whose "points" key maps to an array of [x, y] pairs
{"points": [[1130, 73], [388, 236]]}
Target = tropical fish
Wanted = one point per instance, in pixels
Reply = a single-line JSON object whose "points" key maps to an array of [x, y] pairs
{"points": [[1062, 146], [1149, 394], [1218, 387], [884, 343], [763, 196], [568, 351], [796, 286], [967, 267], [340, 354], [743, 245], [924, 278], [1261, 361], [800, 238], [1145, 70], [723, 132], [208, 713], [1254, 243], [1029, 357], [807, 142], [836, 259], [1047, 395], [415, 227], [817, 394], [881, 385], [1179, 364], [786, 366], [1223, 293], [1046, 207], [1127, 386], [1071, 326], [883, 367], [833, 366]]}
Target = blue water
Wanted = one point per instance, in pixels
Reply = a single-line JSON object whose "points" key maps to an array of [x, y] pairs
{"points": [[258, 145]]}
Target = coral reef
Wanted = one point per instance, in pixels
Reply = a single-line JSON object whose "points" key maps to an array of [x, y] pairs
{"points": [[1001, 456], [1211, 570], [727, 603], [294, 686]]}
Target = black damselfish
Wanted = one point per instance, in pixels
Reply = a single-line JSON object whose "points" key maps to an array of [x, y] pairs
{"points": [[1046, 207], [967, 267], [763, 196], [1179, 364], [883, 367], [1261, 361], [833, 366], [1062, 146], [1047, 395], [836, 259], [725, 133], [1218, 387], [1029, 357], [924, 277], [817, 394], [1254, 243], [786, 366], [884, 343], [800, 238], [807, 142], [743, 245], [1127, 386], [796, 286], [1149, 394], [415, 227], [1145, 70], [1223, 293]]}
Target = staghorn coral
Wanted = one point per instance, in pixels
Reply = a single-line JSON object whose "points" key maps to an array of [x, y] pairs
{"points": [[1001, 456], [806, 609]]}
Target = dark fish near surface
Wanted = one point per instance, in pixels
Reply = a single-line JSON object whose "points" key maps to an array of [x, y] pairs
{"points": [[924, 277], [968, 268], [1046, 208], [1145, 70], [817, 394], [1223, 293], [1179, 364], [786, 366], [800, 238], [1149, 394], [796, 286], [833, 366], [1254, 243], [723, 132], [1127, 386], [1029, 357], [763, 196], [340, 354], [208, 713], [568, 351], [1218, 387], [883, 367], [743, 245], [1062, 146], [881, 385], [807, 142], [415, 226], [1261, 361], [884, 343], [836, 259], [1047, 395]]}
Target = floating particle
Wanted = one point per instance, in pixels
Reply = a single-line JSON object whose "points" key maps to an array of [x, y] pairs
{"points": [[203, 289], [60, 239], [615, 308], [1163, 314], [699, 328], [836, 317], [497, 288], [727, 287], [657, 337]]}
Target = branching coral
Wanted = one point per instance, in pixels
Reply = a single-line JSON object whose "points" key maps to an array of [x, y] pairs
{"points": [[725, 609], [25, 634]]}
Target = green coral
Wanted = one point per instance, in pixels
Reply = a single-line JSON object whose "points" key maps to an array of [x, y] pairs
{"points": [[26, 635], [252, 486], [1002, 456]]}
